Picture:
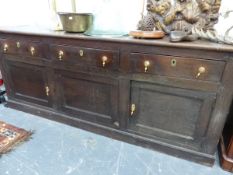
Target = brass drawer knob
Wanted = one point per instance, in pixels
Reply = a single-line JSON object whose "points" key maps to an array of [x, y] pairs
{"points": [[5, 48], [132, 109], [117, 124], [201, 70], [47, 91], [81, 53], [146, 65], [60, 55], [104, 60], [18, 44], [32, 50]]}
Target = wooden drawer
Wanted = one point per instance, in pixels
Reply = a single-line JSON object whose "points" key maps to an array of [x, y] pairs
{"points": [[172, 66], [23, 48], [86, 56]]}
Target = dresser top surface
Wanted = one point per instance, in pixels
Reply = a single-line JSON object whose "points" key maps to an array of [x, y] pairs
{"points": [[39, 31]]}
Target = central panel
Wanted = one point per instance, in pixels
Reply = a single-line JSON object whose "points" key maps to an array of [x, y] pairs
{"points": [[88, 97]]}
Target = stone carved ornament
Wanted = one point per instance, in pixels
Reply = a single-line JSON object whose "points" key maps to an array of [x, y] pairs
{"points": [[223, 29], [188, 16]]}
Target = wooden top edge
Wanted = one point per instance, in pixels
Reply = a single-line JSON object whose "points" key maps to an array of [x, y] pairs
{"points": [[39, 31]]}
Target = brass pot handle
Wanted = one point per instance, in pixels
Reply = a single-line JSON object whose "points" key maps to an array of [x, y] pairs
{"points": [[32, 50], [60, 55], [104, 60], [5, 48], [201, 70], [146, 65]]}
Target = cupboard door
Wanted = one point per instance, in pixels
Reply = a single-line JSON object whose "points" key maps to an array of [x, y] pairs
{"points": [[88, 97], [28, 82], [174, 115]]}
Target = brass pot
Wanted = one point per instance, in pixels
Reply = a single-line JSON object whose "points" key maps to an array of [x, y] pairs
{"points": [[76, 22]]}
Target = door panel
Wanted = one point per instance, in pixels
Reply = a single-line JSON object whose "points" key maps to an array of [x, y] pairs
{"points": [[173, 114], [28, 82], [88, 97]]}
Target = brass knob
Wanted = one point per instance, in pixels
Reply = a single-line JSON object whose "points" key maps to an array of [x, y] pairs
{"points": [[104, 60], [132, 109], [32, 50], [146, 65], [5, 48], [81, 53], [117, 124], [47, 91], [18, 44], [60, 55], [201, 70]]}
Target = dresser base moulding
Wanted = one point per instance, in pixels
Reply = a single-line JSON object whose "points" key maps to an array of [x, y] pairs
{"points": [[179, 152]]}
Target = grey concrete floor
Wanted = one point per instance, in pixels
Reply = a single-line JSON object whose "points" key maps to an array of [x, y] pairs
{"points": [[58, 149]]}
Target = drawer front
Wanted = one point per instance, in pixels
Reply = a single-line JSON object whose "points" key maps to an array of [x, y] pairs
{"points": [[85, 56], [200, 69], [23, 48]]}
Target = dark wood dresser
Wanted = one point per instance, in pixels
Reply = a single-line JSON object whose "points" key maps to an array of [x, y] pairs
{"points": [[171, 97]]}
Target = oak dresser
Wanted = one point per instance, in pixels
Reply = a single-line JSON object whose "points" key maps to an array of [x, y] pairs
{"points": [[171, 97]]}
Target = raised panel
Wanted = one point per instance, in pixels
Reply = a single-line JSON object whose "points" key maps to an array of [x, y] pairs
{"points": [[168, 108], [86, 95]]}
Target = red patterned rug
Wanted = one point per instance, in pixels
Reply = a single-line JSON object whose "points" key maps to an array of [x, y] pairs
{"points": [[10, 136]]}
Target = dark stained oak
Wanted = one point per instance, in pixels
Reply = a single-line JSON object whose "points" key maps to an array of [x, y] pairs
{"points": [[92, 82], [86, 56], [174, 115], [24, 47], [176, 66], [88, 97], [28, 82]]}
